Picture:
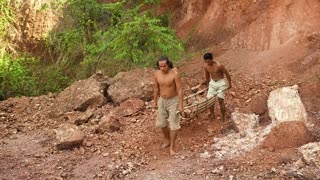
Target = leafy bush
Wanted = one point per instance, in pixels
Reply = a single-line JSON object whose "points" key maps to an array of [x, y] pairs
{"points": [[15, 79], [5, 16], [134, 39], [82, 18], [121, 32], [92, 35], [19, 77], [135, 34], [66, 47], [51, 79]]}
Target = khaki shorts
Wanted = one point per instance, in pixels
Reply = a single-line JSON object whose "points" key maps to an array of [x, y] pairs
{"points": [[217, 88], [167, 110]]}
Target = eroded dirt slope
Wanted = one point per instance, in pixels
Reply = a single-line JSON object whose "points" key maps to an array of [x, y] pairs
{"points": [[276, 39], [264, 44], [253, 25]]}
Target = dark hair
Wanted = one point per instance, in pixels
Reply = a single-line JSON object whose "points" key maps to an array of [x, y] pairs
{"points": [[165, 58], [208, 56]]}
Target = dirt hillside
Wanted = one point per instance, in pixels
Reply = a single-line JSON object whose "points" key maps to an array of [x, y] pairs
{"points": [[275, 38], [265, 45]]}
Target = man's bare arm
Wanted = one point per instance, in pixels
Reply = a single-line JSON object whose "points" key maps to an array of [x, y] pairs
{"points": [[226, 73], [207, 76], [155, 90], [179, 90]]}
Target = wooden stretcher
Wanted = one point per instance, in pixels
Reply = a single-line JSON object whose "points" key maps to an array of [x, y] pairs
{"points": [[195, 104]]}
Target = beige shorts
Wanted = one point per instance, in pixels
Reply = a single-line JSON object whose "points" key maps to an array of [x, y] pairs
{"points": [[167, 110], [217, 88]]}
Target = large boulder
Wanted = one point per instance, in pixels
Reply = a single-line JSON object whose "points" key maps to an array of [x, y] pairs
{"points": [[68, 137], [287, 135], [258, 104], [81, 95], [77, 117], [284, 104], [109, 123], [289, 119], [136, 83], [130, 107]]}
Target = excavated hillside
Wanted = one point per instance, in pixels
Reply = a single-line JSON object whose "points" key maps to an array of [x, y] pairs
{"points": [[103, 128], [257, 36], [274, 41]]}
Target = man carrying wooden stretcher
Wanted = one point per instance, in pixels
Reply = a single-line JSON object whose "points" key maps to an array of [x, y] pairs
{"points": [[217, 85]]}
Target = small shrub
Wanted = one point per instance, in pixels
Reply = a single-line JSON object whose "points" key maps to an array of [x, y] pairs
{"points": [[51, 79], [16, 80]]}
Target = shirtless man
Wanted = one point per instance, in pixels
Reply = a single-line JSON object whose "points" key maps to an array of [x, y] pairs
{"points": [[168, 98], [215, 73]]}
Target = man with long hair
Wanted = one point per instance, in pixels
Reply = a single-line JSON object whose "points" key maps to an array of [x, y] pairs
{"points": [[168, 98]]}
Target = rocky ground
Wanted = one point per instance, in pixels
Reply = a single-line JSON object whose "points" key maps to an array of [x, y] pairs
{"points": [[119, 140], [103, 128]]}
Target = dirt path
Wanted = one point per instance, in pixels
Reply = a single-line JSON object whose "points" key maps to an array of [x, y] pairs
{"points": [[27, 145]]}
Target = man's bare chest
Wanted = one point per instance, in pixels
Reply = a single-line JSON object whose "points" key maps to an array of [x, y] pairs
{"points": [[213, 69], [166, 81]]}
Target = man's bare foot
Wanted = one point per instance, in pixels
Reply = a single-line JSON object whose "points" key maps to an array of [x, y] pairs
{"points": [[211, 117], [165, 145], [172, 152]]}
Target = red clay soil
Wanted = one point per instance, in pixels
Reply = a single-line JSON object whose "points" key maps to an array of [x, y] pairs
{"points": [[264, 44]]}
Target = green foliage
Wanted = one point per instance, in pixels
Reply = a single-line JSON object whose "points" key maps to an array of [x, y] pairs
{"points": [[6, 16], [151, 1], [67, 46], [19, 77], [15, 79], [82, 18], [135, 37], [132, 40], [44, 7], [92, 35], [51, 79], [120, 32]]}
